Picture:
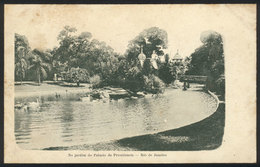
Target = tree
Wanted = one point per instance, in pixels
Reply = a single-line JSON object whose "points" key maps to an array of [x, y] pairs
{"points": [[38, 64], [208, 59], [80, 51], [22, 49], [152, 39], [20, 65], [73, 49], [66, 40], [21, 42], [100, 59], [166, 72], [78, 75]]}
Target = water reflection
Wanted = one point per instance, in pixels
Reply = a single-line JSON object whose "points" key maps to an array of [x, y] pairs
{"points": [[67, 121]]}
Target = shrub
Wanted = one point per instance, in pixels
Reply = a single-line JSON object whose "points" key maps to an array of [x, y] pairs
{"points": [[166, 73], [134, 79], [95, 80], [78, 75], [153, 84]]}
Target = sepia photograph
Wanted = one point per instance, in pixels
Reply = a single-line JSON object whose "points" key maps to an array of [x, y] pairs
{"points": [[125, 78]]}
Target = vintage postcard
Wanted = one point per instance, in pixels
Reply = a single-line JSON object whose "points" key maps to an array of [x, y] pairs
{"points": [[130, 83]]}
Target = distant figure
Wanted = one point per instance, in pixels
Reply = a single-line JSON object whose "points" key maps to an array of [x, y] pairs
{"points": [[184, 86]]}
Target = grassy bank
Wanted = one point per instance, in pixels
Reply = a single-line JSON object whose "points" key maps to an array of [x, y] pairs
{"points": [[30, 89]]}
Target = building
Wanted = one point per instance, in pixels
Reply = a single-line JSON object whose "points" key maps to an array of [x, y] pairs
{"points": [[177, 57]]}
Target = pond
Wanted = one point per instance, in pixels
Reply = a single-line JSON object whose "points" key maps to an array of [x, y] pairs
{"points": [[69, 122]]}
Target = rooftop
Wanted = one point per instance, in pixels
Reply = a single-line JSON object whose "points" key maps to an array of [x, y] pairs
{"points": [[177, 56]]}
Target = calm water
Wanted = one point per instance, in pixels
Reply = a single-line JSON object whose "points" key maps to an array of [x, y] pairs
{"points": [[70, 122]]}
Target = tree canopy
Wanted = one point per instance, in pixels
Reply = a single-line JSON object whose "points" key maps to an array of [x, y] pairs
{"points": [[151, 39], [39, 64], [22, 49], [81, 51], [85, 59], [208, 59], [138, 77]]}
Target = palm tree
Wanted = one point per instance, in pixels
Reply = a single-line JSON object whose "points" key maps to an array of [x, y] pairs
{"points": [[38, 63], [20, 64]]}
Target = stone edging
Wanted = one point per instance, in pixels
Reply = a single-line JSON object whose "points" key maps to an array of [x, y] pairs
{"points": [[215, 97]]}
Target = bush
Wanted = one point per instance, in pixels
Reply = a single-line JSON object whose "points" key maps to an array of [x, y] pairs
{"points": [[134, 79], [95, 80], [153, 84], [166, 73], [77, 75]]}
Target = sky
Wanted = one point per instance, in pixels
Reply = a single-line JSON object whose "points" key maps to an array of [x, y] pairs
{"points": [[118, 24]]}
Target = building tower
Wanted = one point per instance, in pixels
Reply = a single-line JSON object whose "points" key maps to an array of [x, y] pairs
{"points": [[177, 57]]}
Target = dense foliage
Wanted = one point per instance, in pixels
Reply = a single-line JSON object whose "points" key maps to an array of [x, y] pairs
{"points": [[152, 39], [39, 65], [139, 78], [208, 60], [81, 51], [80, 58], [77, 75], [22, 49]]}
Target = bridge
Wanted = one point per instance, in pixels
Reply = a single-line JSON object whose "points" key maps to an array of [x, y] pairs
{"points": [[193, 79], [187, 79]]}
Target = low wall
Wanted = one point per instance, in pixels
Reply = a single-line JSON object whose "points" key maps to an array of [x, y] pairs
{"points": [[215, 97]]}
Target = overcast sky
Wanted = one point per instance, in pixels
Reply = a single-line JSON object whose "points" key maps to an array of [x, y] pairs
{"points": [[116, 25]]}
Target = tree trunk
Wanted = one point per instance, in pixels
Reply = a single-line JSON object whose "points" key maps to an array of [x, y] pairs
{"points": [[39, 79]]}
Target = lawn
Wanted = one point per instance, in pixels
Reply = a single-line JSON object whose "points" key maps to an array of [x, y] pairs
{"points": [[48, 88]]}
